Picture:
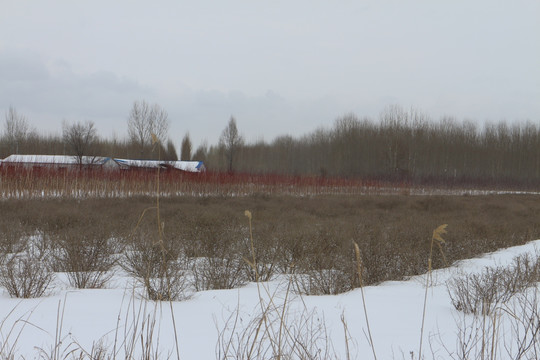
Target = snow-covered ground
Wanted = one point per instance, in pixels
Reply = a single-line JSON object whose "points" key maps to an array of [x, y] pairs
{"points": [[211, 323]]}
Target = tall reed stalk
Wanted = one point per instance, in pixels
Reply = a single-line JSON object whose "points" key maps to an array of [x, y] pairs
{"points": [[359, 267], [436, 238]]}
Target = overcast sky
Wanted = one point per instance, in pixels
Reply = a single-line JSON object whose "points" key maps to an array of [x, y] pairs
{"points": [[279, 67]]}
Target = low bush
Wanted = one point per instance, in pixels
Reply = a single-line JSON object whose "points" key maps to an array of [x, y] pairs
{"points": [[481, 293], [215, 243], [327, 271], [86, 255], [159, 267], [312, 235], [212, 273], [12, 236], [267, 253], [26, 274]]}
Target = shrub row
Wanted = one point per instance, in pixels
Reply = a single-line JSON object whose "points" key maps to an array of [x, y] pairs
{"points": [[206, 239], [20, 182]]}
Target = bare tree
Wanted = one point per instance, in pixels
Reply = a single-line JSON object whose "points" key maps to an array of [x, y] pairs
{"points": [[171, 154], [80, 138], [201, 153], [159, 123], [230, 141], [138, 130], [185, 151], [145, 120], [16, 130]]}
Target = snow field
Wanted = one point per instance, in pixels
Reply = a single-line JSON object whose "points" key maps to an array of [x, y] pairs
{"points": [[70, 322]]}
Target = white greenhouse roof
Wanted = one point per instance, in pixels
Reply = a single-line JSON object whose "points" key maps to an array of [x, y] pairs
{"points": [[191, 166], [55, 159], [137, 163]]}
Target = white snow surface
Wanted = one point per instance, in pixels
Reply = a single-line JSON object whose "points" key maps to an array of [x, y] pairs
{"points": [[89, 317]]}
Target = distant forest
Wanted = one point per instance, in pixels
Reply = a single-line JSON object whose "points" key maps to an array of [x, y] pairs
{"points": [[403, 145]]}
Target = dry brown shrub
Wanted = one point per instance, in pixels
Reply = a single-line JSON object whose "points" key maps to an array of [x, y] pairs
{"points": [[267, 252], [12, 236], [327, 264], [390, 230], [86, 254], [159, 267], [481, 293], [215, 249], [27, 273]]}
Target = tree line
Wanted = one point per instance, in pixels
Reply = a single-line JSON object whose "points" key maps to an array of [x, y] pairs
{"points": [[148, 137], [401, 144]]}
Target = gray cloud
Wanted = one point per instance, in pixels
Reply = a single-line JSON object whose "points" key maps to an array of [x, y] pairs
{"points": [[53, 93], [18, 68], [279, 67], [204, 114], [50, 93]]}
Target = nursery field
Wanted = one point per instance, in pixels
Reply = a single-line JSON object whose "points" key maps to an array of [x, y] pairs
{"points": [[41, 182], [198, 277], [307, 232]]}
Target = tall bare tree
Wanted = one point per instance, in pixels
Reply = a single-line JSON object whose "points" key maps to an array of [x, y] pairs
{"points": [[185, 151], [16, 130], [145, 120], [171, 154], [230, 141], [80, 137], [201, 152]]}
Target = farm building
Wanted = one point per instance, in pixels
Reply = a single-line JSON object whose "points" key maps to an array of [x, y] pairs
{"points": [[189, 166], [56, 161], [97, 162]]}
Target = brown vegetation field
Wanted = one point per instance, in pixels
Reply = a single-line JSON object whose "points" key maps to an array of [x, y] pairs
{"points": [[311, 236]]}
